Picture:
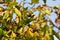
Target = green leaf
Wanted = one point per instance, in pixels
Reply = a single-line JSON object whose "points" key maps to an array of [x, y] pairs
{"points": [[34, 38], [44, 30], [12, 4], [7, 0], [1, 17], [4, 23], [25, 21], [40, 16], [35, 1], [51, 36], [14, 28], [6, 14], [1, 32], [51, 32]]}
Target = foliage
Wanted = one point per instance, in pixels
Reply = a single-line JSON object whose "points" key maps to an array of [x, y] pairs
{"points": [[26, 26]]}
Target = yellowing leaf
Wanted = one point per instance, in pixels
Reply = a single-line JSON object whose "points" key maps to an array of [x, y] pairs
{"points": [[1, 9], [6, 14], [51, 32], [30, 29], [33, 23], [13, 35], [40, 16], [47, 12], [43, 24], [1, 32], [17, 12], [55, 7], [35, 1], [12, 4], [17, 20], [6, 34], [20, 31], [7, 0], [8, 19], [39, 8], [36, 34], [31, 34], [50, 29], [47, 35]]}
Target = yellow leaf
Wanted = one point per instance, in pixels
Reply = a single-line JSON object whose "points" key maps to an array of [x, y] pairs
{"points": [[33, 25], [47, 35], [30, 29], [43, 24], [40, 16], [17, 19], [47, 12], [1, 9], [6, 34], [6, 15], [31, 34], [13, 35], [20, 30], [36, 34], [8, 19], [17, 12]]}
